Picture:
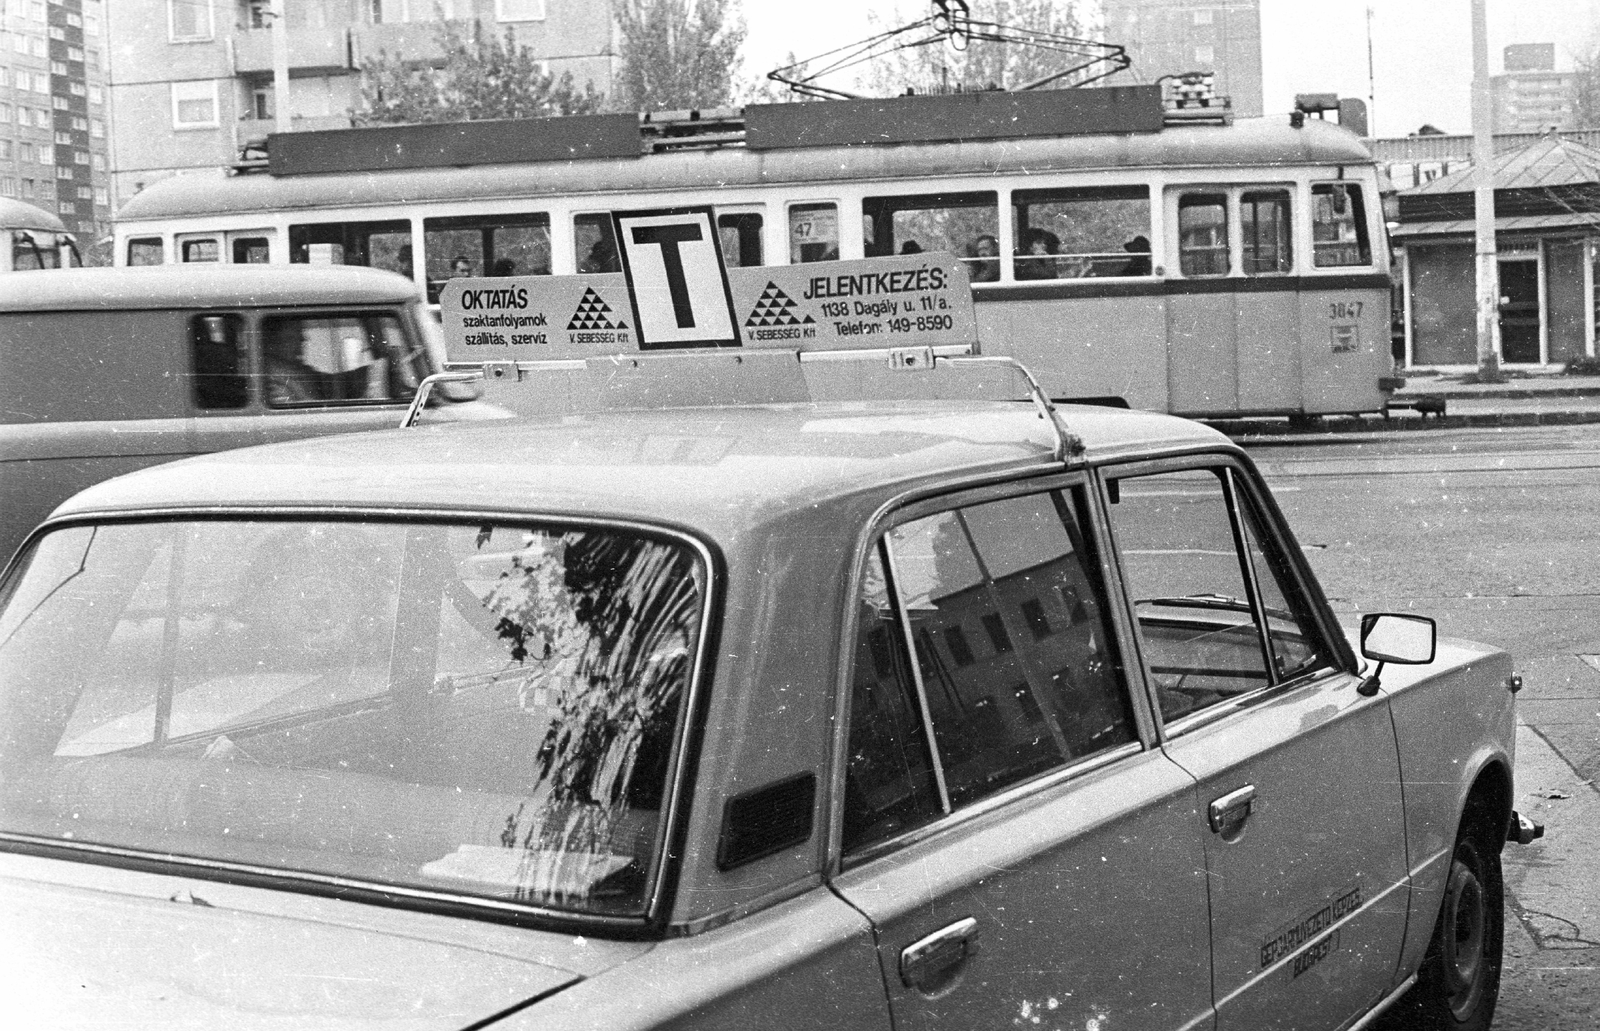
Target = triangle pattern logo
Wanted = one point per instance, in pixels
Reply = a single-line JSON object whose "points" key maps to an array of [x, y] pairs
{"points": [[593, 313], [776, 308]]}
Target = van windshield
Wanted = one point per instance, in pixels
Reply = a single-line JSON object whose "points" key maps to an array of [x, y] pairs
{"points": [[478, 709]]}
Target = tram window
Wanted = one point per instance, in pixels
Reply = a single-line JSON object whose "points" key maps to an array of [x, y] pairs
{"points": [[1264, 232], [385, 245], [216, 351], [740, 236], [1065, 234], [1203, 234], [485, 245], [34, 251], [1338, 226], [338, 359], [199, 251], [813, 232], [250, 250], [145, 250], [965, 224], [595, 243]]}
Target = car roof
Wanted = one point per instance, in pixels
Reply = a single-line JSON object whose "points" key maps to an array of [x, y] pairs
{"points": [[714, 469], [199, 286]]}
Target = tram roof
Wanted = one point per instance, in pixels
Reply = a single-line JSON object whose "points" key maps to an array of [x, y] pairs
{"points": [[1247, 142], [16, 214]]}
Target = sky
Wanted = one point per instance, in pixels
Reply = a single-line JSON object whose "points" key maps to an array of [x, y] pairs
{"points": [[1421, 49]]}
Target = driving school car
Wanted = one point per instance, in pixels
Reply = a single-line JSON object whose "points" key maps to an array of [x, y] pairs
{"points": [[813, 708]]}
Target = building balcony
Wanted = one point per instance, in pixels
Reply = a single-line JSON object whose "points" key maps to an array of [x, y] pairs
{"points": [[414, 41], [258, 128], [310, 51]]}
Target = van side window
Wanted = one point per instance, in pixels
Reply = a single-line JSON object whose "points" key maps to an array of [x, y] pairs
{"points": [[339, 359], [216, 355]]}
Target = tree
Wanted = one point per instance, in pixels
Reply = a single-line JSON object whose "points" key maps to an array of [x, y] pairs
{"points": [[678, 54], [983, 64], [1586, 90], [481, 77]]}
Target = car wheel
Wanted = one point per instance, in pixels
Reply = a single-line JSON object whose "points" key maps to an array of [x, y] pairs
{"points": [[1460, 978]]}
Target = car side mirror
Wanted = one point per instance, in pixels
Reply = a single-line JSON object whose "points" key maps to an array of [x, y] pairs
{"points": [[1395, 637]]}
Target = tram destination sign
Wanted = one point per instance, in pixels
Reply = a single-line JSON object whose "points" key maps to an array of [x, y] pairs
{"points": [[921, 300]]}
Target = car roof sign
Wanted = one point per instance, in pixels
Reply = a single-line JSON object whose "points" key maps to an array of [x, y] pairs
{"points": [[921, 300]]}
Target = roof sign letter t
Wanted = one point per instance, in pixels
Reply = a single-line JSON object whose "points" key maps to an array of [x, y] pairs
{"points": [[668, 237]]}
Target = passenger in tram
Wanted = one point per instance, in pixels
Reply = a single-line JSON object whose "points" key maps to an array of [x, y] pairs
{"points": [[911, 247], [503, 267], [987, 269], [460, 266], [1037, 261], [1139, 264], [602, 258]]}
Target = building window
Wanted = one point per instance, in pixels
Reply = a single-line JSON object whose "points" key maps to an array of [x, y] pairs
{"points": [[393, 12], [189, 20], [77, 89], [96, 95], [58, 67], [57, 32], [60, 103], [1204, 54], [64, 172], [91, 24], [519, 10], [26, 152], [5, 150], [36, 46], [194, 105], [261, 103], [102, 196], [41, 118], [41, 83], [8, 186], [27, 187], [63, 137], [79, 123], [74, 54], [37, 12], [46, 154], [85, 193], [97, 128], [5, 112], [97, 162], [66, 207], [261, 14], [1202, 16], [80, 157]]}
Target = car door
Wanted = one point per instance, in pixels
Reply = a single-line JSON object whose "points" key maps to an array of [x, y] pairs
{"points": [[1024, 854], [1297, 771]]}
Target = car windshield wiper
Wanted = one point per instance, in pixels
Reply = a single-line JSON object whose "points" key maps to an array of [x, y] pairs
{"points": [[1223, 602]]}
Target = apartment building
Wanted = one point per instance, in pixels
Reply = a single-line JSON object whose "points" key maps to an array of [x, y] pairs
{"points": [[1169, 37], [1531, 96], [193, 79], [53, 124]]}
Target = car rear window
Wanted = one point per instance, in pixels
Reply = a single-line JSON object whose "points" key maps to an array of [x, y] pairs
{"points": [[479, 709]]}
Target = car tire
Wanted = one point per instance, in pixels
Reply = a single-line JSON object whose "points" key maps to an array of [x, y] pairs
{"points": [[1459, 982]]}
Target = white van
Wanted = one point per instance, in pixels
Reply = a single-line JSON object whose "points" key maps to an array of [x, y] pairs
{"points": [[103, 371]]}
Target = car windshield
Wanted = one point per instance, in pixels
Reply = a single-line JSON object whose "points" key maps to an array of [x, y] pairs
{"points": [[473, 709]]}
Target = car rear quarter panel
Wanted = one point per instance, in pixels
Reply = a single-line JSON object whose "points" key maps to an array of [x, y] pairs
{"points": [[1455, 723], [809, 962]]}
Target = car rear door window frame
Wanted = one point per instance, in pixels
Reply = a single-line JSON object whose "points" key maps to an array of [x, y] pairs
{"points": [[1098, 563]]}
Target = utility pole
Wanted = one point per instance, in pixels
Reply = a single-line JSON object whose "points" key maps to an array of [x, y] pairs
{"points": [[1372, 82], [280, 66], [1488, 264]]}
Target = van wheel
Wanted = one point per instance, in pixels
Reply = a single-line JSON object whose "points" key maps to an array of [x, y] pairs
{"points": [[1460, 978]]}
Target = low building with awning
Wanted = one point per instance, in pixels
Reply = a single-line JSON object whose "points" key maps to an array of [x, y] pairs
{"points": [[1547, 224]]}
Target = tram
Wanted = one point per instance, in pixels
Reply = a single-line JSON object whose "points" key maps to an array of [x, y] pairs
{"points": [[32, 238], [1170, 258]]}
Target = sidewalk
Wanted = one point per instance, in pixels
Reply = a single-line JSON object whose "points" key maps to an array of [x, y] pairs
{"points": [[1546, 399]]}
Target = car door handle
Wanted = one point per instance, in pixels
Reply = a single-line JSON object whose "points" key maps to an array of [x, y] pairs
{"points": [[1228, 813], [930, 963]]}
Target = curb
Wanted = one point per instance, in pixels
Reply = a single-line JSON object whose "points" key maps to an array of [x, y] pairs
{"points": [[1345, 426], [1499, 393]]}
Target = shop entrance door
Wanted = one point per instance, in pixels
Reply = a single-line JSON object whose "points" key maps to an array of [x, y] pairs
{"points": [[1520, 316]]}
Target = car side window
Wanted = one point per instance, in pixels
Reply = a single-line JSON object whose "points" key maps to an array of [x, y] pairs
{"points": [[1214, 611], [217, 359], [1015, 667]]}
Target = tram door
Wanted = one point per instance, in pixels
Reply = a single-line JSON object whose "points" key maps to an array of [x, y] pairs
{"points": [[1519, 310]]}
